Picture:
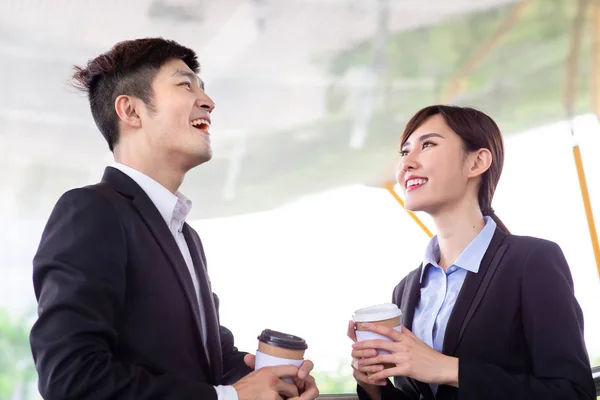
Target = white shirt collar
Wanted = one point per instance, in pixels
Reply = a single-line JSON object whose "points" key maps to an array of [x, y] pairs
{"points": [[174, 208]]}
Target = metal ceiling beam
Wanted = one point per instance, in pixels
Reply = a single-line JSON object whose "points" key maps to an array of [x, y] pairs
{"points": [[458, 81]]}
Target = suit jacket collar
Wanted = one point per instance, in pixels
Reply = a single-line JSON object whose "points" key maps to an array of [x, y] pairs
{"points": [[159, 229]]}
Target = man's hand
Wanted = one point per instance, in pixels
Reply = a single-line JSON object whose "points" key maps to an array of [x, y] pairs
{"points": [[305, 383], [266, 383]]}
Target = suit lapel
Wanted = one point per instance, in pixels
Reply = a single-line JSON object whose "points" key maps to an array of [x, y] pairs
{"points": [[210, 311], [157, 226], [409, 301], [472, 292], [410, 298]]}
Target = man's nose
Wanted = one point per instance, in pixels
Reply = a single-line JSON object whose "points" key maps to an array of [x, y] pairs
{"points": [[205, 102]]}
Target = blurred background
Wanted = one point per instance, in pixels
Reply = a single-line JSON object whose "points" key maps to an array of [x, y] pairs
{"points": [[312, 96]]}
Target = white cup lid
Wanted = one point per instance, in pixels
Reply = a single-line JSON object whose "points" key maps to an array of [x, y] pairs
{"points": [[379, 312]]}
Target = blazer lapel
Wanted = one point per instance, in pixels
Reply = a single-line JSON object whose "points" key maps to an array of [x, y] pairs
{"points": [[157, 226], [472, 292], [213, 337], [410, 299]]}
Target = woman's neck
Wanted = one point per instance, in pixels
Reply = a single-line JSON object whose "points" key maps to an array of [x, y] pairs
{"points": [[455, 230]]}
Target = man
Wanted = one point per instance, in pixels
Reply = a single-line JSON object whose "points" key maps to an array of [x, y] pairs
{"points": [[126, 310]]}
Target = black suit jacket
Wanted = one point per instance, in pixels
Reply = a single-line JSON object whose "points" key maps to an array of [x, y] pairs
{"points": [[118, 316], [516, 328]]}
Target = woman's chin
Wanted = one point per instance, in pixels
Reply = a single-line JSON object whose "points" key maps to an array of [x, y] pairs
{"points": [[412, 207]]}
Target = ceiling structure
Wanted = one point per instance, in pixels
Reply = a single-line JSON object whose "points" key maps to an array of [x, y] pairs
{"points": [[262, 64]]}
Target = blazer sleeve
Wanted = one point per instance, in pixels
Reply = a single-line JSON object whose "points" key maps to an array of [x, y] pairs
{"points": [[553, 328], [234, 367], [79, 281], [388, 392]]}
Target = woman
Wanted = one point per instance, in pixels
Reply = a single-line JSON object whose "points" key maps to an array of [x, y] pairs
{"points": [[488, 314]]}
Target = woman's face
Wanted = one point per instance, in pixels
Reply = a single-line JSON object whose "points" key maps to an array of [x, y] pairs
{"points": [[434, 170]]}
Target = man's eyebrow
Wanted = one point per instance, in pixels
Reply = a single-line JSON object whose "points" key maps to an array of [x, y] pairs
{"points": [[190, 75], [426, 136]]}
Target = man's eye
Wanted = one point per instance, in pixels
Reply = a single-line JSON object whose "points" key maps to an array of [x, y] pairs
{"points": [[188, 84]]}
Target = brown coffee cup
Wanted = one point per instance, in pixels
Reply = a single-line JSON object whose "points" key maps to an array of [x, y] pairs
{"points": [[277, 348]]}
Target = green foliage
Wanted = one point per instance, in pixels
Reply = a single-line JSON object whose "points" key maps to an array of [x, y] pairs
{"points": [[336, 382], [16, 363], [520, 82]]}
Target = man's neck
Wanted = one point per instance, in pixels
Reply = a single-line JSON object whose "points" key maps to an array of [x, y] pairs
{"points": [[167, 176]]}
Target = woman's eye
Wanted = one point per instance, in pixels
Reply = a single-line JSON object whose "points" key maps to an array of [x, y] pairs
{"points": [[403, 153], [428, 144], [188, 84]]}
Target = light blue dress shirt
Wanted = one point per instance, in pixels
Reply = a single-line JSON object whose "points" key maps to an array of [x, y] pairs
{"points": [[440, 289]]}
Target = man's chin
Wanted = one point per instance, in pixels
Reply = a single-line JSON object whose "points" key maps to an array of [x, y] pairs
{"points": [[198, 159]]}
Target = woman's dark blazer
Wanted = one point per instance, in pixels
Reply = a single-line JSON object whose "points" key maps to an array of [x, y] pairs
{"points": [[516, 328]]}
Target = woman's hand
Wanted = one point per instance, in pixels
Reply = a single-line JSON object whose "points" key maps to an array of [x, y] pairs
{"points": [[412, 358], [360, 373]]}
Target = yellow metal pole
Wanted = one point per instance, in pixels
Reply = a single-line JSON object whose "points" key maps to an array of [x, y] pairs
{"points": [[389, 186], [587, 205], [596, 104], [572, 72], [457, 83]]}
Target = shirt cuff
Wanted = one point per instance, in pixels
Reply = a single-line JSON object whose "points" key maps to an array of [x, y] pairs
{"points": [[226, 393]]}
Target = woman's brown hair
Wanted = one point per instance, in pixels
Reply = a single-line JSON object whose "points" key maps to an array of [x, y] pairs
{"points": [[476, 130]]}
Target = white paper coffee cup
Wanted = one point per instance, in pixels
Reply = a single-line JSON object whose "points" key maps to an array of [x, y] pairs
{"points": [[386, 314]]}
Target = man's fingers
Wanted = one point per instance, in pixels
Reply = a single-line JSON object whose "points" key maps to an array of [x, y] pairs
{"points": [[249, 360], [284, 371], [286, 389], [305, 369], [300, 384], [311, 391]]}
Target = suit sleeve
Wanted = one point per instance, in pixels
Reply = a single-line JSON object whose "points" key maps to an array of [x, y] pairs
{"points": [[553, 328], [79, 280], [234, 367]]}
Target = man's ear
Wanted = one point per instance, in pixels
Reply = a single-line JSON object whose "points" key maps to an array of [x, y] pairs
{"points": [[479, 162], [127, 109]]}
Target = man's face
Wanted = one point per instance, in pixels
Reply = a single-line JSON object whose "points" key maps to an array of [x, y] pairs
{"points": [[178, 127]]}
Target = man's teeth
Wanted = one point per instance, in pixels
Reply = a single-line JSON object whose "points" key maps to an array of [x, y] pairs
{"points": [[413, 182], [200, 122]]}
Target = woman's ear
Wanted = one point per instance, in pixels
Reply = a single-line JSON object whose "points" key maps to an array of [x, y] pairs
{"points": [[478, 162]]}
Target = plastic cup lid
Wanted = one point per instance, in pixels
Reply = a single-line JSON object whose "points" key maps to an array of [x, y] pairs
{"points": [[283, 340], [379, 312]]}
